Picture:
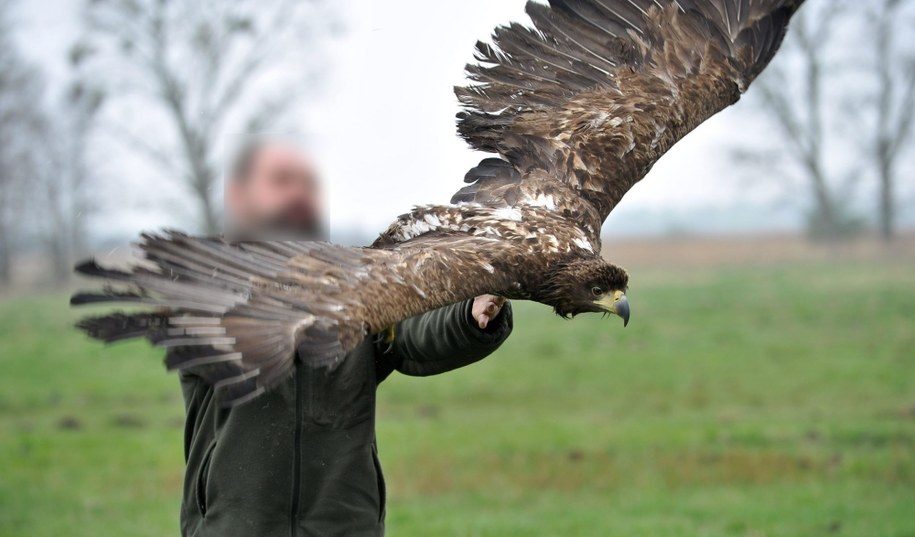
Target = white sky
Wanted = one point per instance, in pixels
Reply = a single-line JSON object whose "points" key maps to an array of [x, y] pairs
{"points": [[383, 129]]}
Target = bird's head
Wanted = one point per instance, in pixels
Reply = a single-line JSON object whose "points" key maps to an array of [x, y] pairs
{"points": [[587, 286]]}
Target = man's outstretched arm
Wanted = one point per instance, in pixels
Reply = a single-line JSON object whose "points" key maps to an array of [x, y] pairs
{"points": [[446, 338]]}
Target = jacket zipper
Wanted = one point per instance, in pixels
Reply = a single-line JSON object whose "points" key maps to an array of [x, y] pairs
{"points": [[297, 450]]}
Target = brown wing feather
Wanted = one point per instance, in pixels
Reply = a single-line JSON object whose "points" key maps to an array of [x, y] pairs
{"points": [[237, 314], [601, 89]]}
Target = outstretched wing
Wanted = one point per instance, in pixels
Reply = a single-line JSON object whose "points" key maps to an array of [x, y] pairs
{"points": [[237, 314], [586, 102]]}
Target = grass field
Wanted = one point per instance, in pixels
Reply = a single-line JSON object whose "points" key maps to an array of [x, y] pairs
{"points": [[743, 401]]}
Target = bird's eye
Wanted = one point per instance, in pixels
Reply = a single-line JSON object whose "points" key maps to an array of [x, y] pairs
{"points": [[597, 291]]}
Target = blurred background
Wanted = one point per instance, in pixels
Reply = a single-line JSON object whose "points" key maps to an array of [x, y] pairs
{"points": [[765, 387]]}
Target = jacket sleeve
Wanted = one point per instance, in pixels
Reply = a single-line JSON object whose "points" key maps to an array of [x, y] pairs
{"points": [[442, 340]]}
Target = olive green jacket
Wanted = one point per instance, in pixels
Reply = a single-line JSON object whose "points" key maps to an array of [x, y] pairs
{"points": [[302, 460]]}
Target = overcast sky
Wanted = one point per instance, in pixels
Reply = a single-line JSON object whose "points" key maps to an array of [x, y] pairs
{"points": [[383, 128]]}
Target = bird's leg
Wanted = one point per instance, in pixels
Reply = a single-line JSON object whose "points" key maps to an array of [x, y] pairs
{"points": [[386, 337]]}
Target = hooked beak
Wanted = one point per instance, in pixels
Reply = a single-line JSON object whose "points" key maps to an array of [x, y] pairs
{"points": [[617, 304]]}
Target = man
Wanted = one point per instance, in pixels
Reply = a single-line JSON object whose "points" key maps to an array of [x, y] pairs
{"points": [[302, 459]]}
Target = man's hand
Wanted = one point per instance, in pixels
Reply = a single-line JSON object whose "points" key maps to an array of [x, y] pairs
{"points": [[486, 308]]}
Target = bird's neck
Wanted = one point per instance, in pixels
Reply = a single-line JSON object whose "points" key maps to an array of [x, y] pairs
{"points": [[551, 289]]}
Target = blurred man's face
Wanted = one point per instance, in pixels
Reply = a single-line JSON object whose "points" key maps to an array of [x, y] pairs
{"points": [[278, 195]]}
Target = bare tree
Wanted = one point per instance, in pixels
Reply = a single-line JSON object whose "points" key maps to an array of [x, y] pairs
{"points": [[43, 171], [64, 196], [793, 95], [19, 126], [834, 101], [208, 68], [894, 67]]}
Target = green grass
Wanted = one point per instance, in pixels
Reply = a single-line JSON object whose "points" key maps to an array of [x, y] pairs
{"points": [[774, 401]]}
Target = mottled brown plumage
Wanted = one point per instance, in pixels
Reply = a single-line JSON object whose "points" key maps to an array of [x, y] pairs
{"points": [[578, 108]]}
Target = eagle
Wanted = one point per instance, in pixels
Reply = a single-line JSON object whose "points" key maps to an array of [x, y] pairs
{"points": [[577, 109]]}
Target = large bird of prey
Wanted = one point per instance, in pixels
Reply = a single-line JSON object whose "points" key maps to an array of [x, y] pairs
{"points": [[578, 109]]}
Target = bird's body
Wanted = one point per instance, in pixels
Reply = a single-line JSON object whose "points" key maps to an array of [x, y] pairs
{"points": [[578, 109], [531, 236]]}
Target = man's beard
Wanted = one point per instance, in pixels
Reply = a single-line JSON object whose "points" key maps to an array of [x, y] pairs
{"points": [[292, 223]]}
